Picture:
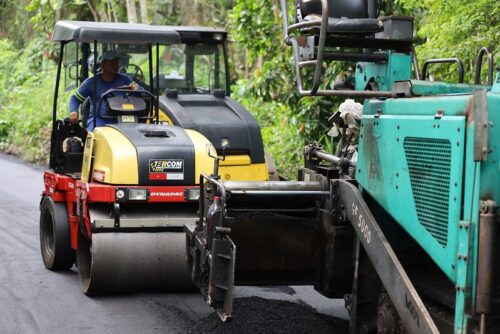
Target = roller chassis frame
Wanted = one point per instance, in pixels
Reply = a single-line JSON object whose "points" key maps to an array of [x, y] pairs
{"points": [[78, 195]]}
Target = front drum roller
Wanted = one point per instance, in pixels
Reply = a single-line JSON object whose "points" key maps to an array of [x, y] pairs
{"points": [[135, 261]]}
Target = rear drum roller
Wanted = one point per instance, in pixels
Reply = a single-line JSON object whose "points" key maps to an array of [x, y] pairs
{"points": [[55, 240], [130, 262]]}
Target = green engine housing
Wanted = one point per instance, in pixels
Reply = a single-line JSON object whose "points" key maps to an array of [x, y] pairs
{"points": [[431, 162]]}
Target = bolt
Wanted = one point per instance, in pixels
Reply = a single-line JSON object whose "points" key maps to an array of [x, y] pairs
{"points": [[397, 187], [484, 207], [398, 127], [456, 183], [397, 139], [458, 129], [397, 174], [458, 143]]}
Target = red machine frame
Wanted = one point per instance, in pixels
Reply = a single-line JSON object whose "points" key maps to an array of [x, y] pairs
{"points": [[75, 193]]}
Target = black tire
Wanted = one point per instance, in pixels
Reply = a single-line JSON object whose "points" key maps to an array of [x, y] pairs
{"points": [[55, 239]]}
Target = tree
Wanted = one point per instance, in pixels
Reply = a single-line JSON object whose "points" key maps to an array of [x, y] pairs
{"points": [[131, 11], [144, 11]]}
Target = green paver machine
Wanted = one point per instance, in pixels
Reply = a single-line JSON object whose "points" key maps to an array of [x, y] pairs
{"points": [[403, 219]]}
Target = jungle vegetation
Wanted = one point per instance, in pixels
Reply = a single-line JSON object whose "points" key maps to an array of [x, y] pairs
{"points": [[262, 77]]}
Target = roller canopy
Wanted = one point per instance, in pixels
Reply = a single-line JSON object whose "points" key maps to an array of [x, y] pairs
{"points": [[119, 33], [127, 33]]}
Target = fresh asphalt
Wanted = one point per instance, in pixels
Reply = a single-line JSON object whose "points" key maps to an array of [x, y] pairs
{"points": [[36, 300]]}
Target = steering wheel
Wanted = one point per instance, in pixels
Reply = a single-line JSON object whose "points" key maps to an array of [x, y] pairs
{"points": [[128, 92], [136, 72]]}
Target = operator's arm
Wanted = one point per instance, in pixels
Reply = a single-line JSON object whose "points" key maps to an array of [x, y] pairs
{"points": [[77, 99]]}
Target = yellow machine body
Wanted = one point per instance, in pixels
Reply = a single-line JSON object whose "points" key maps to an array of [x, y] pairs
{"points": [[110, 157]]}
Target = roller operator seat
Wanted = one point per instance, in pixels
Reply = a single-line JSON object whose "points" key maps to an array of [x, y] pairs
{"points": [[345, 17]]}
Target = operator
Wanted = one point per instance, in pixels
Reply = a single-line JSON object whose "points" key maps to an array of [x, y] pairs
{"points": [[108, 79]]}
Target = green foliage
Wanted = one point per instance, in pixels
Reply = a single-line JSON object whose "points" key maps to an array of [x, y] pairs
{"points": [[288, 121], [26, 101], [267, 88], [251, 20], [454, 28]]}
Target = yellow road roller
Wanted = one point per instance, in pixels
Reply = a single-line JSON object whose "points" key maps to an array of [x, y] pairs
{"points": [[124, 179]]}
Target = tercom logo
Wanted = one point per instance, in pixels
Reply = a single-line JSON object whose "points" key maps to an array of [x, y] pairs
{"points": [[162, 166]]}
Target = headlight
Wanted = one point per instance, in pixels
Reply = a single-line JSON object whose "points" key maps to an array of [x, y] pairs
{"points": [[192, 194], [137, 194], [120, 194], [131, 194]]}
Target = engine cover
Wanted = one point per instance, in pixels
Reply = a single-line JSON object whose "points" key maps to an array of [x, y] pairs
{"points": [[165, 154]]}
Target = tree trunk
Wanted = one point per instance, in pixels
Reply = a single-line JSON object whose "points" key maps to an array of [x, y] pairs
{"points": [[144, 11], [113, 11], [92, 9], [131, 11]]}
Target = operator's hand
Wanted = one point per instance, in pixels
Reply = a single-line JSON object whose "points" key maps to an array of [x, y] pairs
{"points": [[73, 117], [134, 86]]}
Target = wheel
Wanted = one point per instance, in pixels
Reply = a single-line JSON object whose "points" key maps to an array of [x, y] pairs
{"points": [[388, 321], [55, 239]]}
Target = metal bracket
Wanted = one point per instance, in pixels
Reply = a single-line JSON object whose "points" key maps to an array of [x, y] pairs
{"points": [[405, 298], [221, 277], [439, 114], [116, 214], [306, 52], [402, 89], [481, 125]]}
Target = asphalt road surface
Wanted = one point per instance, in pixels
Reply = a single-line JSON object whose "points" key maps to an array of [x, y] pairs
{"points": [[35, 300]]}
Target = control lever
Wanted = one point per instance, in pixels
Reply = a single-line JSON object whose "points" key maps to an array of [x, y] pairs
{"points": [[215, 173]]}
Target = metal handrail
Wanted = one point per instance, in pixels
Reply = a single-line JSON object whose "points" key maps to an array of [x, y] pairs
{"points": [[219, 188], [444, 61], [321, 44], [479, 63]]}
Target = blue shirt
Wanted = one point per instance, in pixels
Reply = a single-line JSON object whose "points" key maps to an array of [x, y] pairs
{"points": [[87, 90]]}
